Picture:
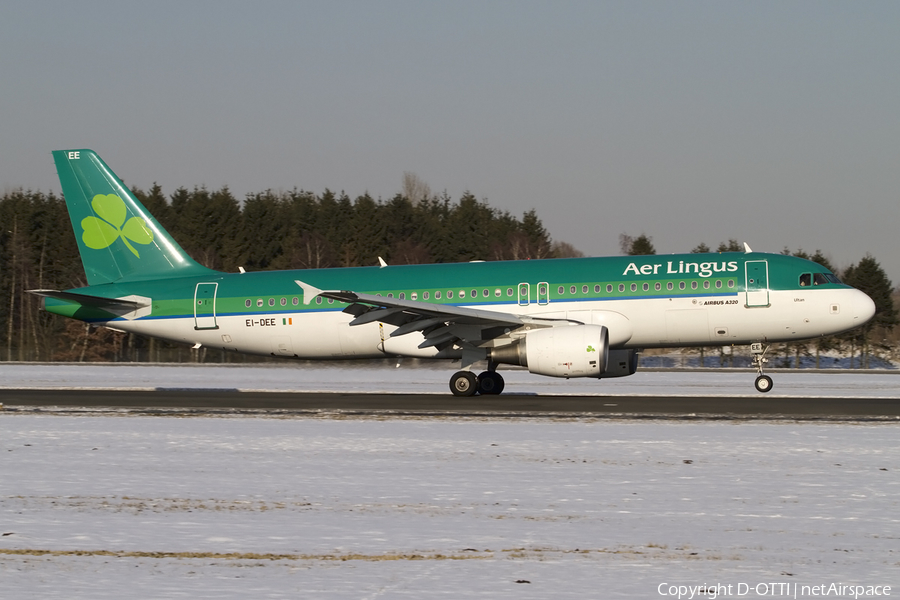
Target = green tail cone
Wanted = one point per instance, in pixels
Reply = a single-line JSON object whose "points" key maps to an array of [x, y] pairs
{"points": [[118, 239]]}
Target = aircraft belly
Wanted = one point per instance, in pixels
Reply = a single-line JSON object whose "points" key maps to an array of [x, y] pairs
{"points": [[687, 326], [291, 336]]}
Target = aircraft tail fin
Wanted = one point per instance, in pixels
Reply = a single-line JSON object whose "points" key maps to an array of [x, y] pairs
{"points": [[117, 238]]}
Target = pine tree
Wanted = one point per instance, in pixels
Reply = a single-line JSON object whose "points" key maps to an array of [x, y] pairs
{"points": [[731, 245], [869, 277], [642, 245]]}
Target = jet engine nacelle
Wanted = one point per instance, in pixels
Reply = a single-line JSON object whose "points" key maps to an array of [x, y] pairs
{"points": [[621, 363], [574, 351]]}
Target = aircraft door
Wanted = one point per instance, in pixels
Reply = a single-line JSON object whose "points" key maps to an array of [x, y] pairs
{"points": [[524, 294], [205, 306], [543, 295], [756, 282]]}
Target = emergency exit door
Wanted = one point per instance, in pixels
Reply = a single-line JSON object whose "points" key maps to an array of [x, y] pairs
{"points": [[205, 306], [756, 282]]}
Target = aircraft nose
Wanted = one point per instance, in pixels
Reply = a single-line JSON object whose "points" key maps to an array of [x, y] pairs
{"points": [[863, 307]]}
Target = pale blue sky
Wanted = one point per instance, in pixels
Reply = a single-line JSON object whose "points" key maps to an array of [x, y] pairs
{"points": [[776, 123]]}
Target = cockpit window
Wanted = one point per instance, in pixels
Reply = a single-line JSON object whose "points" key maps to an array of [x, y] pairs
{"points": [[808, 279]]}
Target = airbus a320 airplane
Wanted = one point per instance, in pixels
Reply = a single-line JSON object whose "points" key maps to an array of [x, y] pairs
{"points": [[580, 317]]}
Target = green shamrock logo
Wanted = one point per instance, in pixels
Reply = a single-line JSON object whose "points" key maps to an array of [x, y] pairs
{"points": [[101, 232], [590, 349]]}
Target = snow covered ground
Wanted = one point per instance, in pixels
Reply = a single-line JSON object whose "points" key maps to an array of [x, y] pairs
{"points": [[124, 506], [116, 505], [409, 376]]}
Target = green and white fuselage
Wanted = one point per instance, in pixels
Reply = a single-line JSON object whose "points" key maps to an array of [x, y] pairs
{"points": [[141, 281]]}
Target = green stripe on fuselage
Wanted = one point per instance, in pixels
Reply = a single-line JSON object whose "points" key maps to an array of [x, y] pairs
{"points": [[174, 297]]}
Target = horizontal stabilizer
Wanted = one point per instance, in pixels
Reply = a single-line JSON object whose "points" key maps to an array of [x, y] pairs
{"points": [[129, 307], [92, 301]]}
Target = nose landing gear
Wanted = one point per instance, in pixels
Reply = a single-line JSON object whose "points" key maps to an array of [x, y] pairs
{"points": [[763, 382]]}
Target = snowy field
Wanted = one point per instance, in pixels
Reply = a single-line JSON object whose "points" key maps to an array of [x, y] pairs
{"points": [[113, 504], [119, 506], [410, 376]]}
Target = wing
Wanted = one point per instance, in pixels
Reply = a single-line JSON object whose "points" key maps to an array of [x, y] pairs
{"points": [[440, 324]]}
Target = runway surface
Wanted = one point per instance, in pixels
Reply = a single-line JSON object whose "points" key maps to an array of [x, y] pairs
{"points": [[202, 401], [421, 389]]}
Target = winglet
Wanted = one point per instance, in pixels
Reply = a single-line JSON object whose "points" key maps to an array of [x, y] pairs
{"points": [[381, 262], [747, 249], [309, 291]]}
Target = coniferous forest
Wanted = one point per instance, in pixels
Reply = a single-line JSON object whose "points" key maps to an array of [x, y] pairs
{"points": [[304, 230], [269, 230]]}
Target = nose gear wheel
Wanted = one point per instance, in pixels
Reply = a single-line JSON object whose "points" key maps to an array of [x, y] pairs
{"points": [[763, 382]]}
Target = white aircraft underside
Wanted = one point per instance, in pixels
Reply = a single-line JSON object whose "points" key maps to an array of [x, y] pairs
{"points": [[646, 323]]}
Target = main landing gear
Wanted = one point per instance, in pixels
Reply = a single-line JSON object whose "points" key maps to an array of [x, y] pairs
{"points": [[465, 383], [763, 382]]}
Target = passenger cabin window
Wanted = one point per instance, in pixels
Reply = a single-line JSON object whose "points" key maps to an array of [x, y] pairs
{"points": [[437, 295]]}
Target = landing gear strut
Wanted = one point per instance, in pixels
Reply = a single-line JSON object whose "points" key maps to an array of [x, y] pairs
{"points": [[763, 382]]}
